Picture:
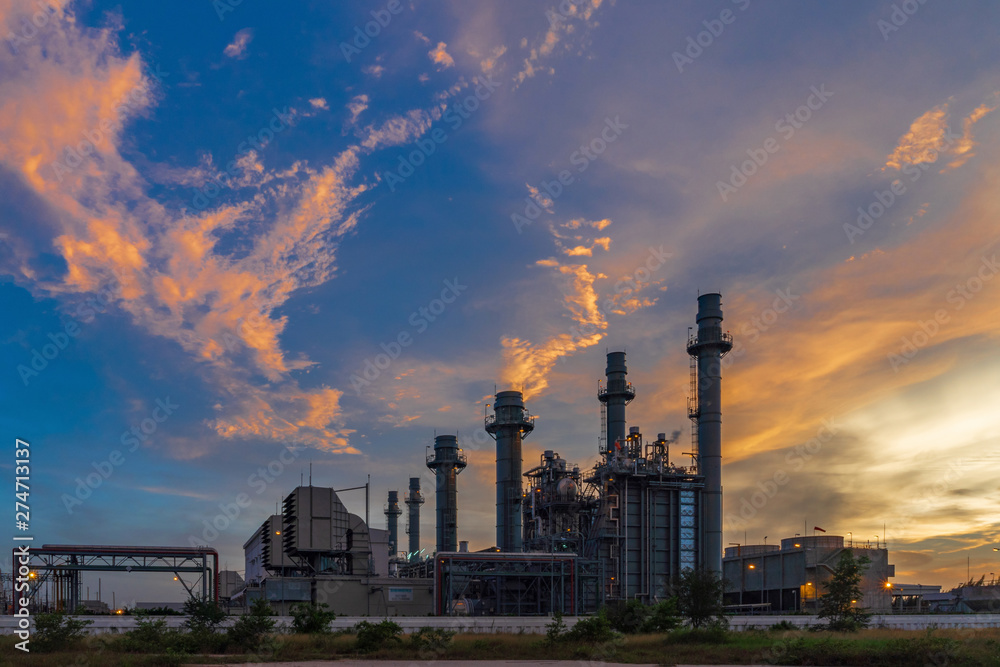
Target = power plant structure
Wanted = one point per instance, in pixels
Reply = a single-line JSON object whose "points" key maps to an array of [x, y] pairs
{"points": [[567, 539], [414, 499], [508, 425], [392, 514], [623, 530], [447, 461], [706, 349]]}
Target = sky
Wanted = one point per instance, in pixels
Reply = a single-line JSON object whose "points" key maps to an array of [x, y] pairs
{"points": [[239, 242]]}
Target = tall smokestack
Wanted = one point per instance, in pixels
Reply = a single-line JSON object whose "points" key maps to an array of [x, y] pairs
{"points": [[392, 513], [708, 346], [446, 462], [414, 499], [508, 425], [616, 395]]}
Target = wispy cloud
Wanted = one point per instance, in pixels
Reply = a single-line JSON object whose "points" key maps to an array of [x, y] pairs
{"points": [[177, 283], [931, 137], [238, 48], [357, 106], [566, 19], [439, 56], [528, 364]]}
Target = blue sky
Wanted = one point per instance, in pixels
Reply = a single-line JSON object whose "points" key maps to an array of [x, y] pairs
{"points": [[867, 343]]}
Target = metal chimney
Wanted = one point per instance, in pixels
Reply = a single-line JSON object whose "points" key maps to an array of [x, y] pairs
{"points": [[616, 395], [414, 499], [446, 462], [708, 347], [508, 425], [392, 513]]}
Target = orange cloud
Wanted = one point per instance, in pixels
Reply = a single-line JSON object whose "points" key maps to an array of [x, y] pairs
{"points": [[439, 56], [64, 110], [527, 364], [564, 20], [963, 148], [238, 48], [929, 137]]}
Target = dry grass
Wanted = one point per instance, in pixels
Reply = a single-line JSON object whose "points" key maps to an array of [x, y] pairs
{"points": [[954, 648]]}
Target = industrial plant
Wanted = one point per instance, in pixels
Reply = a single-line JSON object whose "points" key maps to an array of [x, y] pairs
{"points": [[568, 540]]}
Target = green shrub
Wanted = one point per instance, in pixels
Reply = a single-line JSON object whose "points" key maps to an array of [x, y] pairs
{"points": [[662, 617], [699, 597], [592, 629], [373, 636], [431, 639], [843, 591], [203, 615], [55, 632], [149, 634], [629, 617], [251, 630], [555, 630], [310, 619]]}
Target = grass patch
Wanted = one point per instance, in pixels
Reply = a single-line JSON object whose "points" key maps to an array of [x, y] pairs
{"points": [[956, 648]]}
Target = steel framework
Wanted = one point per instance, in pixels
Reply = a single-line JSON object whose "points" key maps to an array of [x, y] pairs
{"points": [[64, 563], [516, 584]]}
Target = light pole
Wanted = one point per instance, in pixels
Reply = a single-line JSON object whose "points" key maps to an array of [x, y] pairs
{"points": [[850, 542]]}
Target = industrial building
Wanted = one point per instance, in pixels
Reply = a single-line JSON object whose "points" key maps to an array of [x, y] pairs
{"points": [[567, 539], [317, 551], [792, 576]]}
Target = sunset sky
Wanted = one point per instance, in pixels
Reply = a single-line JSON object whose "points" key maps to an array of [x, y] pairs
{"points": [[231, 228]]}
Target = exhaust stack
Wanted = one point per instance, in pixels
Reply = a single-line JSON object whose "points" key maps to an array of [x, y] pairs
{"points": [[616, 395], [707, 348], [508, 425], [414, 499], [392, 513], [447, 461]]}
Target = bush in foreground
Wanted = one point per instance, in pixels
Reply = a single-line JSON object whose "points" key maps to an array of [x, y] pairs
{"points": [[662, 617], [310, 619], [203, 616], [57, 632], [592, 629], [373, 636], [699, 598], [252, 629]]}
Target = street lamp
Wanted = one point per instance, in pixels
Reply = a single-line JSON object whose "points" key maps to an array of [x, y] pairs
{"points": [[851, 539]]}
